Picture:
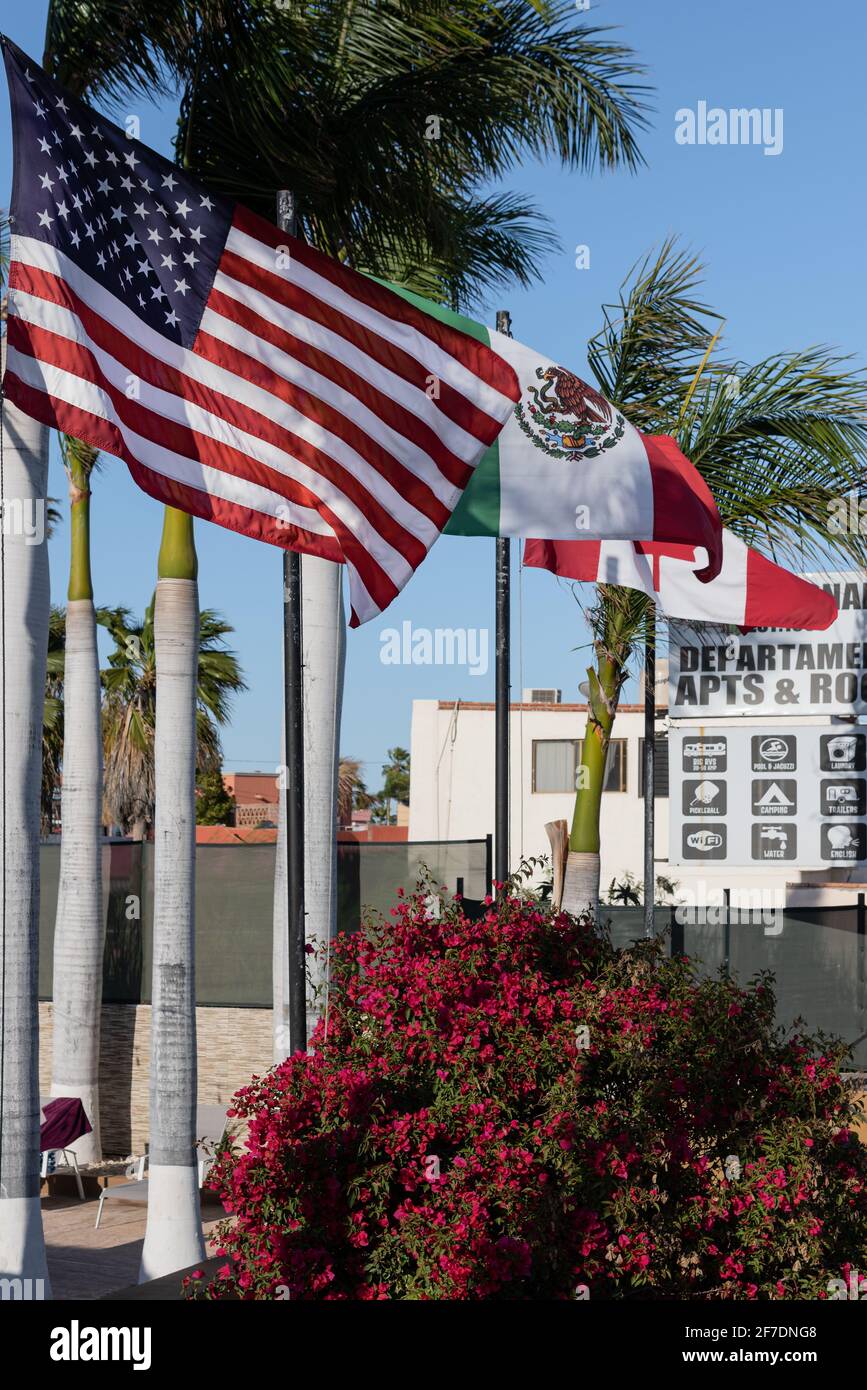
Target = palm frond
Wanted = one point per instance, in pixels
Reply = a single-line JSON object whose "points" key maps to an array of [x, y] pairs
{"points": [[779, 442], [645, 355], [505, 82], [79, 460]]}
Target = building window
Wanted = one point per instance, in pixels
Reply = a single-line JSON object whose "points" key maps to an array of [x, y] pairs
{"points": [[556, 762], [554, 765], [660, 766], [615, 766]]}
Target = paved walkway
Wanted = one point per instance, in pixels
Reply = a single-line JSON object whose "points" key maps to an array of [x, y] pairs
{"points": [[86, 1263]]}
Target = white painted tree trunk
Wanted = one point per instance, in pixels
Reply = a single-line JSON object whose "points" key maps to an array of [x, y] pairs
{"points": [[280, 934], [24, 606], [79, 927], [581, 884], [324, 657], [173, 1238], [324, 628]]}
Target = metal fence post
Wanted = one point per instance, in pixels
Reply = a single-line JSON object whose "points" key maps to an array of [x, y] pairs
{"points": [[862, 971], [677, 934]]}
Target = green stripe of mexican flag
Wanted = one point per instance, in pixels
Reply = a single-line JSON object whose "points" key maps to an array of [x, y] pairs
{"points": [[478, 510], [568, 465]]}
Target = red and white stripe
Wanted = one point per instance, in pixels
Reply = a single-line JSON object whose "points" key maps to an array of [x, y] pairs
{"points": [[749, 591], [316, 409]]}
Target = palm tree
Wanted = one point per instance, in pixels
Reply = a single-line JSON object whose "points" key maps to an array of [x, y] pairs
{"points": [[21, 1239], [173, 1236], [351, 790], [79, 926], [157, 690], [31, 448], [129, 710], [395, 784], [324, 655], [776, 442], [24, 613], [86, 47]]}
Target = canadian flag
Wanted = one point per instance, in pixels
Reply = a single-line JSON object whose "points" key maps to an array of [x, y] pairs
{"points": [[750, 590]]}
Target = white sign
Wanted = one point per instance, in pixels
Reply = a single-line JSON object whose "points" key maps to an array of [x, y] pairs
{"points": [[775, 671], [793, 795]]}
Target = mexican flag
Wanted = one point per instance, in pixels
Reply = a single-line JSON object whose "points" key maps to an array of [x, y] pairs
{"points": [[568, 465], [749, 591]]}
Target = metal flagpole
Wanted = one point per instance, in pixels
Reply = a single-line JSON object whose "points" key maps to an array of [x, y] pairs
{"points": [[293, 773], [649, 769], [503, 683]]}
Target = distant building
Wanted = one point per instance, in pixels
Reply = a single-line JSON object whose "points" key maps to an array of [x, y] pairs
{"points": [[257, 807], [256, 797], [362, 827]]}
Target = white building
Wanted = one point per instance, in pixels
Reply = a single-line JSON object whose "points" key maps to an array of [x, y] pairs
{"points": [[452, 791]]}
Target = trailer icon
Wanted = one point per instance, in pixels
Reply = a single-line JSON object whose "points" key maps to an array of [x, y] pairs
{"points": [[844, 791]]}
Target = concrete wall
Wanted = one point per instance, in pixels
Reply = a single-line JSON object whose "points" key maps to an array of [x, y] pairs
{"points": [[233, 1045]]}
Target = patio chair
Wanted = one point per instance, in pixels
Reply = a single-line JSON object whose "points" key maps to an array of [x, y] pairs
{"points": [[67, 1162], [210, 1128]]}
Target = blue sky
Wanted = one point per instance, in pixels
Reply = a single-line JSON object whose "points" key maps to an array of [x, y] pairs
{"points": [[783, 241]]}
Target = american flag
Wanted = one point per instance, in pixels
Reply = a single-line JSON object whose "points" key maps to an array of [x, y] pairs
{"points": [[241, 375]]}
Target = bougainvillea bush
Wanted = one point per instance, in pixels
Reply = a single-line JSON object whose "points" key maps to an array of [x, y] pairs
{"points": [[510, 1108]]}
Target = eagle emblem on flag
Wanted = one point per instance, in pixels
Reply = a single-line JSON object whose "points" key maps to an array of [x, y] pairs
{"points": [[567, 418]]}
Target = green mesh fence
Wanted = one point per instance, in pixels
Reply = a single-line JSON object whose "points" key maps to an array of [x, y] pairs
{"points": [[234, 908]]}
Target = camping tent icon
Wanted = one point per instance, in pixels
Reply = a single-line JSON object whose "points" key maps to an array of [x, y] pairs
{"points": [[774, 796]]}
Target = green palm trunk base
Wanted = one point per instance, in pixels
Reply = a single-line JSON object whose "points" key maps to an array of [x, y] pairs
{"points": [[606, 682], [604, 690], [177, 557], [80, 581]]}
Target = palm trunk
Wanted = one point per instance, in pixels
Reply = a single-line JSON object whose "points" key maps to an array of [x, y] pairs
{"points": [[79, 926], [324, 639], [581, 884], [324, 632], [173, 1238], [280, 935], [24, 607]]}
